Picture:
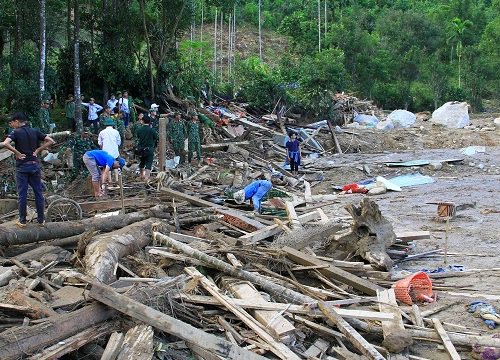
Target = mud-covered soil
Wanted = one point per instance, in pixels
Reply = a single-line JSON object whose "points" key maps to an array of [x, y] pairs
{"points": [[474, 233]]}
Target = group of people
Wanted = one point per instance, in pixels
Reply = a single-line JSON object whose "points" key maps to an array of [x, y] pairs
{"points": [[119, 106], [110, 125]]}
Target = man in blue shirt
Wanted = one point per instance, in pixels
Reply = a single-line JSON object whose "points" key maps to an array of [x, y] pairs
{"points": [[255, 191], [94, 159], [27, 146]]}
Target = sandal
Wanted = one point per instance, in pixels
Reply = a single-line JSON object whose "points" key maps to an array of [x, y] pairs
{"points": [[20, 224]]}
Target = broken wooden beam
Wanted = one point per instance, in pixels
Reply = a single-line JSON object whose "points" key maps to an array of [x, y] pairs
{"points": [[448, 345], [113, 346], [168, 324], [333, 272], [396, 338], [21, 341]]}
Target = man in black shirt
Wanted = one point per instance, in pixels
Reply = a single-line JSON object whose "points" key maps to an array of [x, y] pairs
{"points": [[27, 147]]}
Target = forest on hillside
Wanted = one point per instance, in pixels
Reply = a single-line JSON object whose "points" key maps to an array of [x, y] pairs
{"points": [[412, 54]]}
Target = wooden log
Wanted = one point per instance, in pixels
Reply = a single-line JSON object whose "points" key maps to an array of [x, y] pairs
{"points": [[219, 146], [170, 325], [354, 337], [137, 344], [33, 233], [293, 219], [104, 251], [396, 338], [334, 136], [20, 341], [448, 345], [333, 272], [113, 346], [74, 342], [8, 275]]}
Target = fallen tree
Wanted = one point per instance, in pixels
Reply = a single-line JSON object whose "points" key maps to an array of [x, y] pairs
{"points": [[103, 251], [34, 233]]}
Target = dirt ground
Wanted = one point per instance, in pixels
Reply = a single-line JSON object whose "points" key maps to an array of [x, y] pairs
{"points": [[473, 233]]}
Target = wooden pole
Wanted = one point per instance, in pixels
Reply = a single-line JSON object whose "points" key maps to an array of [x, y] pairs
{"points": [[121, 193], [162, 145], [332, 131]]}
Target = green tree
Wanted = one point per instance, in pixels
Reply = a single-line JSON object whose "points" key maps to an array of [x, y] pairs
{"points": [[459, 27]]}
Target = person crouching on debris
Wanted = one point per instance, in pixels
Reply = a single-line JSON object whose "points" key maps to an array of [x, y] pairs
{"points": [[254, 191], [293, 153], [27, 146], [94, 159]]}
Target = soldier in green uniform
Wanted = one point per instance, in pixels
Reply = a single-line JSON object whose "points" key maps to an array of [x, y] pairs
{"points": [[193, 131], [44, 117], [177, 134], [147, 138], [69, 111]]}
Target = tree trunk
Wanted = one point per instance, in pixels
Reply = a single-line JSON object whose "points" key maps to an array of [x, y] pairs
{"points": [[76, 69], [104, 251], [371, 234], [43, 49], [20, 341], [30, 234], [148, 43], [18, 34], [69, 36]]}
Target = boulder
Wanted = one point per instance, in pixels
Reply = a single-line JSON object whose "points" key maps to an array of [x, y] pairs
{"points": [[402, 118], [453, 114], [497, 121]]}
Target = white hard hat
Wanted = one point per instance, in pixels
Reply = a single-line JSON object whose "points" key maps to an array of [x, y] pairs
{"points": [[239, 197]]}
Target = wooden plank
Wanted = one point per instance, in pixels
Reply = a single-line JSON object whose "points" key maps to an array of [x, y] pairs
{"points": [[223, 145], [234, 261], [350, 333], [185, 238], [333, 272], [113, 346], [5, 154], [317, 349], [137, 344], [272, 320], [74, 342], [417, 316], [293, 219], [448, 345], [324, 218], [291, 308], [272, 230], [278, 348], [307, 192], [413, 235], [396, 338], [170, 325]]}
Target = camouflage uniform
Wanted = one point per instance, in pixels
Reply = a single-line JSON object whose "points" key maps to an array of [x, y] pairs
{"points": [[44, 120], [193, 131], [79, 145], [177, 134]]}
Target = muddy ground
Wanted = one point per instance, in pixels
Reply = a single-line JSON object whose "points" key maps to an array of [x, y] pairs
{"points": [[474, 233]]}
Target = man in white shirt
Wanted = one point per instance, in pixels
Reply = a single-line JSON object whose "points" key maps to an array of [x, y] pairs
{"points": [[124, 108], [112, 103], [93, 117], [109, 140]]}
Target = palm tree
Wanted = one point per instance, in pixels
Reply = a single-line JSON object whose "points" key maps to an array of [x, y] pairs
{"points": [[458, 27]]}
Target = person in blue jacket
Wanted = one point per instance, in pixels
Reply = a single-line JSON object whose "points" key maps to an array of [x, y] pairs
{"points": [[254, 191], [95, 159]]}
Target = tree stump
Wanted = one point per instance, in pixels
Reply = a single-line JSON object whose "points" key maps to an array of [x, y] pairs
{"points": [[371, 234]]}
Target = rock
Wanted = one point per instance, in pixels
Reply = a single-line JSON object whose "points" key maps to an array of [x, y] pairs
{"points": [[453, 114], [436, 165], [471, 164], [377, 190], [402, 118], [497, 121], [480, 166]]}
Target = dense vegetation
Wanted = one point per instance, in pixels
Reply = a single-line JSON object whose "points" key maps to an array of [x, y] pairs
{"points": [[413, 54]]}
